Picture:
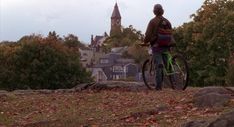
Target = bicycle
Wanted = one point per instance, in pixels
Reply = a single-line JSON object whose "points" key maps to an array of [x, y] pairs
{"points": [[175, 68]]}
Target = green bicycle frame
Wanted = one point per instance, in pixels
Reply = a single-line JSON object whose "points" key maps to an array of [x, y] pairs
{"points": [[168, 65], [169, 68]]}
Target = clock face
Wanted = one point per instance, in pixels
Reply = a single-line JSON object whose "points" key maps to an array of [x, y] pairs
{"points": [[118, 22], [115, 22]]}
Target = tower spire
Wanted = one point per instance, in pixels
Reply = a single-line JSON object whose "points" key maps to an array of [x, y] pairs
{"points": [[116, 13], [115, 20]]}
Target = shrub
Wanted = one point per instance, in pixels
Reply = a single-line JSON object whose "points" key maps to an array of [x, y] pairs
{"points": [[40, 63]]}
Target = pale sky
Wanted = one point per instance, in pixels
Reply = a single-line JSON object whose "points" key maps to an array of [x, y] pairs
{"points": [[84, 17]]}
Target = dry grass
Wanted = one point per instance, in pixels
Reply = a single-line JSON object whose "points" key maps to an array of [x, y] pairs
{"points": [[103, 108]]}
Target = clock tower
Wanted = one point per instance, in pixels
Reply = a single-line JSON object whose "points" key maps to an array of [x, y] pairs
{"points": [[115, 20]]}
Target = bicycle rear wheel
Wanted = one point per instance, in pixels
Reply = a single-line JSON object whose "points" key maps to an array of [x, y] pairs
{"points": [[148, 74], [181, 71]]}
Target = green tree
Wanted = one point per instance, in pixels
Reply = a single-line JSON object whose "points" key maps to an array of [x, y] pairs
{"points": [[38, 62], [72, 41], [208, 42], [128, 37]]}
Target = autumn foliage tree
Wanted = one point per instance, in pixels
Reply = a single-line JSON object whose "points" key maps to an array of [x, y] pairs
{"points": [[129, 37], [38, 62], [208, 41]]}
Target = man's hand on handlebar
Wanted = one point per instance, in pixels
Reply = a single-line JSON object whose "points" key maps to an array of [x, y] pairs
{"points": [[144, 44]]}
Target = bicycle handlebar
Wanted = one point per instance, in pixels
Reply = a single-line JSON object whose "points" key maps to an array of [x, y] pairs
{"points": [[144, 44], [148, 45]]}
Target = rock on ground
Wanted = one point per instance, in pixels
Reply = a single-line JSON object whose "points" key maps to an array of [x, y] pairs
{"points": [[211, 100], [225, 120], [212, 97], [130, 86], [196, 124]]}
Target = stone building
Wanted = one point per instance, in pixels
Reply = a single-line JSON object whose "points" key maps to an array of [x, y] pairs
{"points": [[113, 66], [97, 41]]}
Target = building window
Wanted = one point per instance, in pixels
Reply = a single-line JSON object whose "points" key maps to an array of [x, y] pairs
{"points": [[117, 68], [126, 69], [117, 77], [104, 61]]}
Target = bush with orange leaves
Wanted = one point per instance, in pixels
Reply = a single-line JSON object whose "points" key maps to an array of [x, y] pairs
{"points": [[36, 62]]}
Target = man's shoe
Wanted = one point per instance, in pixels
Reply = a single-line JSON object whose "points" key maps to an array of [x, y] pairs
{"points": [[158, 89]]}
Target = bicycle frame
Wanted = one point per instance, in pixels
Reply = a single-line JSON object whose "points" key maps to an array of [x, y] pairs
{"points": [[168, 64], [175, 68], [168, 68]]}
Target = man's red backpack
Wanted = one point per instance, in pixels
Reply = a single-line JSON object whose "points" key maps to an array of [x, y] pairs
{"points": [[164, 37]]}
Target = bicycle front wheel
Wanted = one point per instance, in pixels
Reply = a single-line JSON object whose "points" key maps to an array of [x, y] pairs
{"points": [[148, 74], [181, 72]]}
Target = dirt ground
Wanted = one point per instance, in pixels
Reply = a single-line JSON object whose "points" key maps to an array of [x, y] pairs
{"points": [[167, 108]]}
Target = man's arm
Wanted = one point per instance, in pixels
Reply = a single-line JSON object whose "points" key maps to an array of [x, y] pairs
{"points": [[149, 32]]}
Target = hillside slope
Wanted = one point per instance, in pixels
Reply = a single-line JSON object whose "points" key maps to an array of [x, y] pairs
{"points": [[115, 107]]}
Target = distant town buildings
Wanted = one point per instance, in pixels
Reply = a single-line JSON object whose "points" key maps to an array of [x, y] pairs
{"points": [[110, 66], [86, 57], [97, 41], [113, 67]]}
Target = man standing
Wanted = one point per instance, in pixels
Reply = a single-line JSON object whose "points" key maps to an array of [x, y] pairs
{"points": [[158, 41]]}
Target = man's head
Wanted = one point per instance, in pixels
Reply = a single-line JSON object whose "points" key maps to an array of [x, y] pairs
{"points": [[158, 10]]}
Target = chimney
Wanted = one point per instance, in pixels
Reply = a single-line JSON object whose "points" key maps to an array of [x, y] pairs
{"points": [[92, 39]]}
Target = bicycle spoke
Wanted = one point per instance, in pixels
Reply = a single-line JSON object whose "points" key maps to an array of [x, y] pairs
{"points": [[181, 72], [178, 70]]}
